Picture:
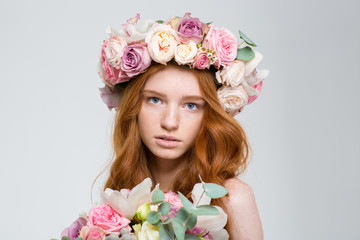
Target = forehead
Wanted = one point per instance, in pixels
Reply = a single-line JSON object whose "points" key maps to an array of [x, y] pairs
{"points": [[174, 80]]}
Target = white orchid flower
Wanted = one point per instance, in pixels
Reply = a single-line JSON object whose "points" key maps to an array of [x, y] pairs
{"points": [[214, 224], [126, 203]]}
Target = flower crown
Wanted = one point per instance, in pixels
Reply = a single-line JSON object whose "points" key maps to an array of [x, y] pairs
{"points": [[187, 41]]}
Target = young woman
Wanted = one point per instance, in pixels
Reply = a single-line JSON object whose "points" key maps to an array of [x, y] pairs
{"points": [[170, 124]]}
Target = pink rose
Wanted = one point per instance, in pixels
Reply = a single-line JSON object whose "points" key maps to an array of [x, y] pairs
{"points": [[190, 29], [107, 72], [92, 233], [201, 60], [105, 217], [134, 61], [223, 42]]}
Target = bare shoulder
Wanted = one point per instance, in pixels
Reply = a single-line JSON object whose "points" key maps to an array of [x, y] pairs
{"points": [[241, 208], [238, 191]]}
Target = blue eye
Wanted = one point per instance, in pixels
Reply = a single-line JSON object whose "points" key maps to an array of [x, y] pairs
{"points": [[154, 100], [191, 106]]}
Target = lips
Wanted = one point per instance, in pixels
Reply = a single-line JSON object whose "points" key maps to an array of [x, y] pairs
{"points": [[167, 141]]}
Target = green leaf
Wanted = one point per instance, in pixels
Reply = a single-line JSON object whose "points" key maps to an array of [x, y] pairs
{"points": [[157, 197], [206, 210], [166, 232], [186, 217], [213, 190], [164, 208], [65, 238], [153, 217], [160, 21], [246, 39], [186, 203], [179, 229], [190, 236], [79, 238], [208, 23], [169, 220], [245, 54]]}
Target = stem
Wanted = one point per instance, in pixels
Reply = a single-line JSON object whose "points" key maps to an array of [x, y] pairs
{"points": [[241, 43], [197, 204]]}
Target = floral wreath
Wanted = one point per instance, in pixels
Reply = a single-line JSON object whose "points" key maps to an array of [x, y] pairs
{"points": [[187, 41]]}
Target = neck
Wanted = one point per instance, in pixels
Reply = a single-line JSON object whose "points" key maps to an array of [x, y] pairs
{"points": [[164, 170]]}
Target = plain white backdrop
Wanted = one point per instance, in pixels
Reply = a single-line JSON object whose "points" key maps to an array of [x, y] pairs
{"points": [[304, 129]]}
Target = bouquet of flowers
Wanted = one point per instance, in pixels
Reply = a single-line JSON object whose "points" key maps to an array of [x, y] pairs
{"points": [[151, 215]]}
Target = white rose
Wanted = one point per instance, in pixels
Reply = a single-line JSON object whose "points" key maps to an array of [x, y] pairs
{"points": [[147, 231], [232, 98], [185, 53], [115, 50], [162, 41], [232, 75]]}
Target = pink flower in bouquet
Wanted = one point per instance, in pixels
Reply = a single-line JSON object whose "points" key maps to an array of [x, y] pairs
{"points": [[74, 230], [135, 60], [201, 60], [109, 220], [92, 233], [223, 42], [191, 29], [175, 202]]}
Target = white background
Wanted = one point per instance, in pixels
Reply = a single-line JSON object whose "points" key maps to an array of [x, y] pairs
{"points": [[304, 129]]}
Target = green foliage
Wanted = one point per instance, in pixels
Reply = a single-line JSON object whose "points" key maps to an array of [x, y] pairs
{"points": [[245, 54], [153, 217], [65, 238], [246, 39], [213, 190], [160, 21], [166, 232], [179, 229], [158, 197], [189, 236], [164, 208], [188, 218]]}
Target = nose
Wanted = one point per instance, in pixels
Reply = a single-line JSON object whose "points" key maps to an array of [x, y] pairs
{"points": [[170, 118]]}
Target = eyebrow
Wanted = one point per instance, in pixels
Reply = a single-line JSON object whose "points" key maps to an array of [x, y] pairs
{"points": [[185, 97]]}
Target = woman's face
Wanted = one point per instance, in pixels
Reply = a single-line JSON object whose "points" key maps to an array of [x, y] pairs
{"points": [[171, 113]]}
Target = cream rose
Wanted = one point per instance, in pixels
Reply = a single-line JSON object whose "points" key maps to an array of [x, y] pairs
{"points": [[162, 41], [115, 50], [185, 53], [232, 75], [232, 99]]}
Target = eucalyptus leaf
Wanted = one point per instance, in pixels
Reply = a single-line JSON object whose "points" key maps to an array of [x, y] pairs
{"points": [[245, 54], [160, 21], [169, 220], [158, 196], [206, 210], [79, 238], [65, 238], [186, 217], [189, 236], [153, 217], [213, 190], [246, 39], [164, 208], [186, 203], [179, 229], [208, 23], [166, 232]]}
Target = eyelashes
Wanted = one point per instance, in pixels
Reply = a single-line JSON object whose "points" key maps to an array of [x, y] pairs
{"points": [[190, 105]]}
